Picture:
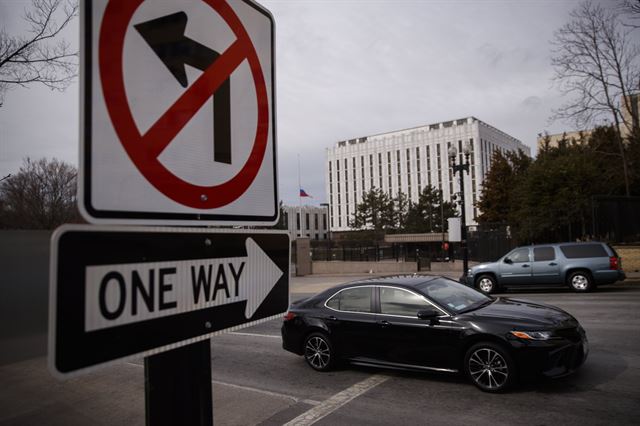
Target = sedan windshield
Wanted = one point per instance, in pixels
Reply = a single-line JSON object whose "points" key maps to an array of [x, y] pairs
{"points": [[453, 296]]}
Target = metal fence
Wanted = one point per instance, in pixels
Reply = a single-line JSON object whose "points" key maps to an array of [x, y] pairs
{"points": [[616, 219], [397, 252], [489, 242]]}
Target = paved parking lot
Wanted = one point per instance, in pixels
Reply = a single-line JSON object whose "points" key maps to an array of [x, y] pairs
{"points": [[256, 382]]}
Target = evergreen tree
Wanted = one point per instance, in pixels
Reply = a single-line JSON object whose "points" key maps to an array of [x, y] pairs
{"points": [[430, 213], [499, 183], [401, 206], [375, 211]]}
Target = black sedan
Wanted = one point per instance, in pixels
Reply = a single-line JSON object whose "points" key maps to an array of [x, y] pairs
{"points": [[434, 324]]}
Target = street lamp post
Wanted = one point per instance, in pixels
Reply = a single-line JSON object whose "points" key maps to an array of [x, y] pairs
{"points": [[461, 167]]}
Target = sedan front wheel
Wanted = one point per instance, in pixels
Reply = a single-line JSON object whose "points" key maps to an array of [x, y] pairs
{"points": [[489, 367]]}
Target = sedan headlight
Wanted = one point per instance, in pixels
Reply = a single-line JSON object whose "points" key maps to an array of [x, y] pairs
{"points": [[534, 335]]}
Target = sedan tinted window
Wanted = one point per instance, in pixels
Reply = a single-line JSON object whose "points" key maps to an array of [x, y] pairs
{"points": [[353, 300], [452, 295], [583, 250], [543, 253], [394, 301]]}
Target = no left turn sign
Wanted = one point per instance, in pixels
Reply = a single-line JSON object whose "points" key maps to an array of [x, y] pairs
{"points": [[178, 114]]}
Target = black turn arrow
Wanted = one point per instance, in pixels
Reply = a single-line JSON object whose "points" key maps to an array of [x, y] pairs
{"points": [[166, 37]]}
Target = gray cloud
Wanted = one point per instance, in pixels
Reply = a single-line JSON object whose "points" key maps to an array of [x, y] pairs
{"points": [[354, 68]]}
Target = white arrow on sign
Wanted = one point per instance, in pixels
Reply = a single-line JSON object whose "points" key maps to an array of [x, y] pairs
{"points": [[128, 293]]}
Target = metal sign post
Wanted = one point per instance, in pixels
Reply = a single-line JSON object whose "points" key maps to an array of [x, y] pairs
{"points": [[178, 386], [122, 293], [164, 144]]}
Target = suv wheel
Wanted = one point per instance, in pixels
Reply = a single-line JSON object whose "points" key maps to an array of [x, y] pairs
{"points": [[580, 281], [489, 367], [486, 284]]}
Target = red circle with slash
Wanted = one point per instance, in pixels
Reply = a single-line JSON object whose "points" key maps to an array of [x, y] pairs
{"points": [[144, 149]]}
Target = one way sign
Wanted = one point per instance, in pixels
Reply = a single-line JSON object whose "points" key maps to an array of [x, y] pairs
{"points": [[178, 117], [137, 291]]}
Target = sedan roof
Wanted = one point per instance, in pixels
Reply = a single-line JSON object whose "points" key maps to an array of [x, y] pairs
{"points": [[403, 280]]}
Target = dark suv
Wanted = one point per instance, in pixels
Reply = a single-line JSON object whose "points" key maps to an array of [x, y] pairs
{"points": [[581, 266]]}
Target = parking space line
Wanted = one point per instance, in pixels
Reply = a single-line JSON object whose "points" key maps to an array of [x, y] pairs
{"points": [[337, 401], [271, 336], [266, 392], [262, 391]]}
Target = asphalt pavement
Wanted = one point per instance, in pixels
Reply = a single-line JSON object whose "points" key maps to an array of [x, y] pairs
{"points": [[255, 382]]}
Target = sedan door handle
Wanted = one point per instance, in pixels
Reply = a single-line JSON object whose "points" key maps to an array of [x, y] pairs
{"points": [[332, 318], [553, 264], [525, 266], [384, 324]]}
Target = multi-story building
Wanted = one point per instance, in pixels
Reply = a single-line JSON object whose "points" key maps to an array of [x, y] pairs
{"points": [[630, 121], [306, 221], [630, 110], [576, 137], [409, 160]]}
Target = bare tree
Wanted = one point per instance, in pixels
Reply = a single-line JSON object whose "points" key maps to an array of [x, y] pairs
{"points": [[631, 8], [42, 195], [39, 56], [596, 67]]}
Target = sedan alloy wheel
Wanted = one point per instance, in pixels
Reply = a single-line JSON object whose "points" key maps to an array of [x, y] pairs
{"points": [[489, 367], [318, 352]]}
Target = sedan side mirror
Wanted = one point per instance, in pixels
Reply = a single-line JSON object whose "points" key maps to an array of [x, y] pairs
{"points": [[507, 260], [428, 313]]}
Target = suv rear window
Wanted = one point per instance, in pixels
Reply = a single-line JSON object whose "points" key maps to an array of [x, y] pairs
{"points": [[543, 253], [583, 250]]}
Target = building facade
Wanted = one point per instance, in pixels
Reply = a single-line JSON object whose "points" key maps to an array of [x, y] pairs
{"points": [[630, 122], [306, 221], [409, 160], [579, 137]]}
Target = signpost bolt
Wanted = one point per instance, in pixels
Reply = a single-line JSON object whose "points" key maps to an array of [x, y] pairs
{"points": [[203, 197], [207, 242], [207, 324]]}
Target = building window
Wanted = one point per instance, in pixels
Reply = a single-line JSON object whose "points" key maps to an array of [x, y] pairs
{"points": [[428, 166], [316, 221], [370, 170], [380, 169], [306, 221], [297, 221]]}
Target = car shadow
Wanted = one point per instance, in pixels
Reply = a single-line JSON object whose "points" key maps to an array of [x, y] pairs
{"points": [[601, 367], [408, 374], [564, 290]]}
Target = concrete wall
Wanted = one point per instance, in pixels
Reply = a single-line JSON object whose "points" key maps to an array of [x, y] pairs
{"points": [[24, 294], [630, 257], [303, 256]]}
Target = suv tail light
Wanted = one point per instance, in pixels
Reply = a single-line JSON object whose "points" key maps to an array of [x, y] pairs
{"points": [[289, 316], [615, 263]]}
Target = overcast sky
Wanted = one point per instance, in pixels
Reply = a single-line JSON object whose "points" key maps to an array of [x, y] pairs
{"points": [[354, 68]]}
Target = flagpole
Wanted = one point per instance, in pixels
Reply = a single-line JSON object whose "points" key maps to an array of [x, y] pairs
{"points": [[299, 200]]}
